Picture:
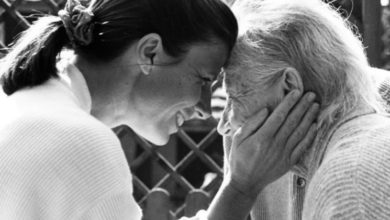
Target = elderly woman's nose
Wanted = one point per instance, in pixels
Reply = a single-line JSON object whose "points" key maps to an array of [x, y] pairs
{"points": [[224, 126]]}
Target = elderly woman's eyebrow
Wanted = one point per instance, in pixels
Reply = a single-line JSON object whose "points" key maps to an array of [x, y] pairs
{"points": [[220, 75], [231, 90], [227, 62]]}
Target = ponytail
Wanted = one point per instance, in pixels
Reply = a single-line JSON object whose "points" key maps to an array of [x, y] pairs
{"points": [[104, 29], [32, 59]]}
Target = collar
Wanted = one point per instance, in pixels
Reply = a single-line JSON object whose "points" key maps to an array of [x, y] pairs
{"points": [[71, 76], [312, 159]]}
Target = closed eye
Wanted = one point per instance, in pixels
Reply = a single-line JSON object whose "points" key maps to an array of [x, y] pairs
{"points": [[206, 79]]}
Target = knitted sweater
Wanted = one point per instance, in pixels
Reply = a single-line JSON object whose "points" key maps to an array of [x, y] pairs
{"points": [[57, 161], [353, 178], [348, 176]]}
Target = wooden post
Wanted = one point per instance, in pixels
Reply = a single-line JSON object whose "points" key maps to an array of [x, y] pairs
{"points": [[196, 200], [157, 205], [372, 11]]}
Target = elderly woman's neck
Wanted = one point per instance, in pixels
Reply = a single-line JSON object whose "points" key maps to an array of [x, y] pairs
{"points": [[312, 158], [340, 116], [110, 85]]}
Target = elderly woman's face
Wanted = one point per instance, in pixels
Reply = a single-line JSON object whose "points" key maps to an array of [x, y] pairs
{"points": [[179, 91], [244, 98]]}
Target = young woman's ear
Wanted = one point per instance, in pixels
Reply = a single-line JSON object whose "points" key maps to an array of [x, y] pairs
{"points": [[291, 80], [149, 50]]}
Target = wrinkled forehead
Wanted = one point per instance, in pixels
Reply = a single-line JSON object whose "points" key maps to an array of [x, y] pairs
{"points": [[237, 79]]}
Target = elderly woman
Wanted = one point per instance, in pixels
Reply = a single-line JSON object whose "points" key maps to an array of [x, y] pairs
{"points": [[306, 45]]}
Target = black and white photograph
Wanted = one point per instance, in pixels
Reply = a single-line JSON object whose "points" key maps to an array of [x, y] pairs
{"points": [[194, 110]]}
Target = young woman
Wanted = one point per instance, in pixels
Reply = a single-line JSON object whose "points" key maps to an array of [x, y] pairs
{"points": [[145, 63]]}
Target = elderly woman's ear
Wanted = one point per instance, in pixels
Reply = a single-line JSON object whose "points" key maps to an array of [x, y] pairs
{"points": [[291, 80]]}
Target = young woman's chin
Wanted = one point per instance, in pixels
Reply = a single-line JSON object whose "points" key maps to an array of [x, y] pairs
{"points": [[158, 134], [159, 141]]}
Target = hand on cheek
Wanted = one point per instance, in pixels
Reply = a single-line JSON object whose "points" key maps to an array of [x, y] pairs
{"points": [[268, 145]]}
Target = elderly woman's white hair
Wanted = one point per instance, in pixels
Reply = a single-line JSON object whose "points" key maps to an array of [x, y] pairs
{"points": [[311, 37]]}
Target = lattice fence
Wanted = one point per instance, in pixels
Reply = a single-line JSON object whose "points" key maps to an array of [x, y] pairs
{"points": [[170, 181], [173, 192]]}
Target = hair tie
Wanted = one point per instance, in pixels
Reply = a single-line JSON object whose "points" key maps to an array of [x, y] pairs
{"points": [[77, 20]]}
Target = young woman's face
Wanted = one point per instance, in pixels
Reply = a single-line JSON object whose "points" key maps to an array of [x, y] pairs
{"points": [[176, 92]]}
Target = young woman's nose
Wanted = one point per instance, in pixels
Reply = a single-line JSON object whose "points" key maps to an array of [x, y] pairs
{"points": [[202, 110], [203, 107]]}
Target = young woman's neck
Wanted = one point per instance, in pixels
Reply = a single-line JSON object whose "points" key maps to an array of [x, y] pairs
{"points": [[110, 85]]}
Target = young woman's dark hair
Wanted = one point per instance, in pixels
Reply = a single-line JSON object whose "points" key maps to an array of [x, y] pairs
{"points": [[116, 24]]}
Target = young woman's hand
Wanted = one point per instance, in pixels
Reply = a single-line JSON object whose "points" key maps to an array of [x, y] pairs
{"points": [[265, 147]]}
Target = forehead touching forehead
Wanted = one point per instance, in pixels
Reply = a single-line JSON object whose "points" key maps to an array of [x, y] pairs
{"points": [[241, 70]]}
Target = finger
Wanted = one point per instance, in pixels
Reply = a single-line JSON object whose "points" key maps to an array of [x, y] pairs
{"points": [[252, 124], [303, 145], [280, 113], [300, 132], [295, 116]]}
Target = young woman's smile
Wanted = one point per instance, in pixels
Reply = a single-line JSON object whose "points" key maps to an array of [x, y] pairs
{"points": [[177, 91]]}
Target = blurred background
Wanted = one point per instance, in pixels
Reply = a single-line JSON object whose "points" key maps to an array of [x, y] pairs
{"points": [[193, 159]]}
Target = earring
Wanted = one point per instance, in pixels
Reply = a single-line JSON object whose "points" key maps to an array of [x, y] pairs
{"points": [[151, 59]]}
